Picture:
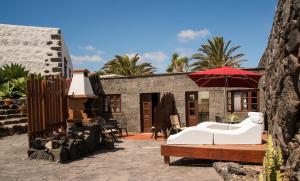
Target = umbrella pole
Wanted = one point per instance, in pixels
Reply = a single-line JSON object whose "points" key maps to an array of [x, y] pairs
{"points": [[225, 96]]}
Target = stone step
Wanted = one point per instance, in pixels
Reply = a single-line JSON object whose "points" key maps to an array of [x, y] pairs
{"points": [[13, 121], [12, 106], [11, 129], [9, 111], [8, 116]]}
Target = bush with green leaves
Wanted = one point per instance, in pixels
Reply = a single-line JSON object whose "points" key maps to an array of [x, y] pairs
{"points": [[2, 76], [13, 71], [13, 89], [272, 163], [13, 79], [233, 117]]}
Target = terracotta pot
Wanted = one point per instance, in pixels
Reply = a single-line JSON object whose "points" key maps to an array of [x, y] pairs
{"points": [[8, 102], [23, 109]]}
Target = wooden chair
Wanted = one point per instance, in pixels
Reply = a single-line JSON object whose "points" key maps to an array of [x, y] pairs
{"points": [[175, 123], [123, 126]]}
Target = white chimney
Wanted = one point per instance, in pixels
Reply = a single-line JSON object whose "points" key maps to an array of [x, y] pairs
{"points": [[80, 85]]}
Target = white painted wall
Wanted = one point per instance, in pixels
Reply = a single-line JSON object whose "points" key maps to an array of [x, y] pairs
{"points": [[80, 85], [65, 54]]}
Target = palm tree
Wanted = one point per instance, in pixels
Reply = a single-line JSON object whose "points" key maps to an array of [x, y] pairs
{"points": [[178, 64], [123, 65], [216, 53]]}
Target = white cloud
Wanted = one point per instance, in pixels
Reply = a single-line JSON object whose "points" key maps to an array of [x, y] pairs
{"points": [[99, 51], [185, 52], [86, 58], [189, 34], [157, 56], [87, 48]]}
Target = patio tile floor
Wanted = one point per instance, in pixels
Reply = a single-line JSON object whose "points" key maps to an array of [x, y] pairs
{"points": [[131, 160]]}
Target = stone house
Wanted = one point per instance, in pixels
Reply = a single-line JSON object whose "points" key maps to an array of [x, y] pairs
{"points": [[39, 49], [133, 99]]}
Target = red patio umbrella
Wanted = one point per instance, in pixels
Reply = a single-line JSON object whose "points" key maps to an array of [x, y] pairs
{"points": [[225, 77]]}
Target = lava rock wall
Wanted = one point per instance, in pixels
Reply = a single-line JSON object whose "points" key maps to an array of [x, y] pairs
{"points": [[281, 83]]}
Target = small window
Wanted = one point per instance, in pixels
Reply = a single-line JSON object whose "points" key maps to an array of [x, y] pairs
{"points": [[112, 103], [243, 100]]}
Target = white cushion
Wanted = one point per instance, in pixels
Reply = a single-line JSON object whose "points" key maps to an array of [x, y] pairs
{"points": [[256, 119], [192, 135], [255, 114]]}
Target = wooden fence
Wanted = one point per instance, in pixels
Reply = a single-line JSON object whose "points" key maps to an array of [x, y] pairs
{"points": [[47, 105]]}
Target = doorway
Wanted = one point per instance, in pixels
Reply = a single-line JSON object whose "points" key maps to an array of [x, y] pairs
{"points": [[149, 103], [191, 104]]}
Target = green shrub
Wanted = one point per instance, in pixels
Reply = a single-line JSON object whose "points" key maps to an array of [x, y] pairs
{"points": [[39, 76], [13, 71], [20, 86], [2, 76], [13, 89], [272, 163], [7, 91], [233, 117], [13, 79]]}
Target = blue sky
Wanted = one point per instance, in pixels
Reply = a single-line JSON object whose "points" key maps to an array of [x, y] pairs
{"points": [[96, 30]]}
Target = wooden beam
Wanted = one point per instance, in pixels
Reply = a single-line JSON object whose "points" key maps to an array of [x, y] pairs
{"points": [[238, 153]]}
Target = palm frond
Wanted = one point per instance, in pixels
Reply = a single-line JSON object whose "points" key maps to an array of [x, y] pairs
{"points": [[216, 53], [123, 65]]}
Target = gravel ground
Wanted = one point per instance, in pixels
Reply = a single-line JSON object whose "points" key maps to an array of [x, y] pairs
{"points": [[131, 160]]}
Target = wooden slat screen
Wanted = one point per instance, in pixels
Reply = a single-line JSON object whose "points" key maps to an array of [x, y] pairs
{"points": [[47, 105]]}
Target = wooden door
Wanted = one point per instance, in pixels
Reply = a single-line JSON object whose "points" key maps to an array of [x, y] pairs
{"points": [[146, 110], [191, 108]]}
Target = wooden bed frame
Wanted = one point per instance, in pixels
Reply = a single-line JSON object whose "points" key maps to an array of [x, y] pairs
{"points": [[237, 153]]}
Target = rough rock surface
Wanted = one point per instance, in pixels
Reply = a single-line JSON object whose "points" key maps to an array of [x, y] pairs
{"points": [[281, 83], [231, 171], [78, 142], [39, 49]]}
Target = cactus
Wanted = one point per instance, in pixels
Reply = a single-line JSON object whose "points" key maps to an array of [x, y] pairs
{"points": [[272, 163]]}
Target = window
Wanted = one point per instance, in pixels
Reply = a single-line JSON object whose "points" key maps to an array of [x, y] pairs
{"points": [[203, 106], [65, 67], [243, 100], [112, 103]]}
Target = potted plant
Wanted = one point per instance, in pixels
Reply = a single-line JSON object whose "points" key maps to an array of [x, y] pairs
{"points": [[23, 108], [12, 82], [233, 117], [7, 93]]}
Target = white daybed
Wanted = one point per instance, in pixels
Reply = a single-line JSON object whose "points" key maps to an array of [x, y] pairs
{"points": [[247, 132]]}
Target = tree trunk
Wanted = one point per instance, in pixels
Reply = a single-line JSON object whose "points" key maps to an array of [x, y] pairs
{"points": [[281, 84]]}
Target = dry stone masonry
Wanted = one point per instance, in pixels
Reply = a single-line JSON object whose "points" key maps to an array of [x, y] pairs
{"points": [[40, 50], [281, 83], [77, 142], [12, 120]]}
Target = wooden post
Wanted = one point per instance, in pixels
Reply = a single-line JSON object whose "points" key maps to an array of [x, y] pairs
{"points": [[167, 160]]}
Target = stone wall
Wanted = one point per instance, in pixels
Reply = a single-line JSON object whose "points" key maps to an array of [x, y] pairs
{"points": [[40, 50], [130, 89], [281, 83]]}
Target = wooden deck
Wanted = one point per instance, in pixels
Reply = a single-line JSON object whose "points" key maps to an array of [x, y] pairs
{"points": [[237, 153]]}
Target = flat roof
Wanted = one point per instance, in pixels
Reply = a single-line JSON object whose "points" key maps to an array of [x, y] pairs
{"points": [[141, 76], [27, 26], [169, 74]]}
